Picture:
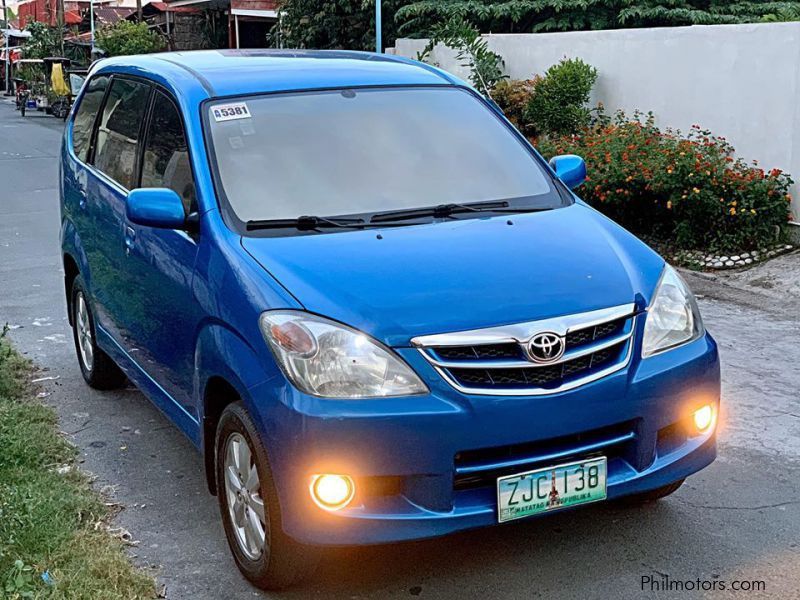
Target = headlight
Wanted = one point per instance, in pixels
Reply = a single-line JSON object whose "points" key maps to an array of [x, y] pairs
{"points": [[328, 359], [673, 318]]}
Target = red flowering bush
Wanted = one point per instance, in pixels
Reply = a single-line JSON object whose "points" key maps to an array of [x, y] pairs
{"points": [[689, 190], [513, 97]]}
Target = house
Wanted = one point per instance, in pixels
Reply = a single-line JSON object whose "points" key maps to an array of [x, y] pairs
{"points": [[46, 11], [184, 27], [249, 22]]}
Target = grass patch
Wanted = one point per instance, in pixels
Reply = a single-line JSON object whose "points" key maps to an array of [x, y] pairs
{"points": [[48, 520]]}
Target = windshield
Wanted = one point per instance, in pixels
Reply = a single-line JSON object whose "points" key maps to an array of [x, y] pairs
{"points": [[366, 151]]}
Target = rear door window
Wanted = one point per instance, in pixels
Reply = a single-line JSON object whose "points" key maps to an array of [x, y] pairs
{"points": [[118, 133], [86, 115], [166, 154]]}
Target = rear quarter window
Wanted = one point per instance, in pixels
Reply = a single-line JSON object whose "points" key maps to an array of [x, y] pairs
{"points": [[86, 115], [117, 143]]}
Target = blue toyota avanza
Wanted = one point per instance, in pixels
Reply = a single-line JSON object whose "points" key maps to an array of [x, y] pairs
{"points": [[373, 307]]}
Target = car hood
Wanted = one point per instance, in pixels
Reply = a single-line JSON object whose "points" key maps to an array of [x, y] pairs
{"points": [[397, 283]]}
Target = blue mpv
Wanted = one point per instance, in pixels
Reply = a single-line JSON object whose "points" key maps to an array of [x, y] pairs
{"points": [[373, 307]]}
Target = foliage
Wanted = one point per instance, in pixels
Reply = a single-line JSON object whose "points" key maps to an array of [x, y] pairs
{"points": [[52, 543], [43, 42], [690, 189], [417, 19], [126, 37], [558, 103], [782, 15], [513, 96], [334, 24], [485, 66]]}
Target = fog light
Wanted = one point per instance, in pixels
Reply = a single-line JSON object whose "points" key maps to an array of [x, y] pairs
{"points": [[332, 492], [704, 418]]}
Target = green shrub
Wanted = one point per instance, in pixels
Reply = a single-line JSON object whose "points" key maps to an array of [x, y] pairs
{"points": [[126, 37], [558, 103], [689, 190]]}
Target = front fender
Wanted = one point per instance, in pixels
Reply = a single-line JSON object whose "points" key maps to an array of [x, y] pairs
{"points": [[221, 353]]}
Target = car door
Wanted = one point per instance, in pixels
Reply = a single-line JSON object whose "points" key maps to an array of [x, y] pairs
{"points": [[79, 206], [159, 263], [113, 158]]}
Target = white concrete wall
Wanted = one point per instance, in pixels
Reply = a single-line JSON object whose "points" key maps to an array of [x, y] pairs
{"points": [[740, 81]]}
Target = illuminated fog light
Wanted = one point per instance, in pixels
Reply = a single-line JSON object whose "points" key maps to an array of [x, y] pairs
{"points": [[704, 418], [332, 492]]}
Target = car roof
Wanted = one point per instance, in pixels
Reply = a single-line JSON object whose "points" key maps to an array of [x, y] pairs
{"points": [[220, 73]]}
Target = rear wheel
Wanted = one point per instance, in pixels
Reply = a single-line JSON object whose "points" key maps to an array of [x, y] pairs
{"points": [[652, 495], [249, 506], [97, 368]]}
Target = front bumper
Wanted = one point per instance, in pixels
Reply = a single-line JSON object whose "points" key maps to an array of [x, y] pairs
{"points": [[406, 454]]}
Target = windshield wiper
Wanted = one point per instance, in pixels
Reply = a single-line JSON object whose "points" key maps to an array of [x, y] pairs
{"points": [[314, 223], [304, 223], [441, 211], [388, 219], [523, 209]]}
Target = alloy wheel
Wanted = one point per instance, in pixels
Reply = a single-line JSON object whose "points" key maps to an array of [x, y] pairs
{"points": [[84, 330], [244, 500]]}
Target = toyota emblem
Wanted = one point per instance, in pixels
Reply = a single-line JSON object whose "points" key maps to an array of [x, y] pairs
{"points": [[546, 347]]}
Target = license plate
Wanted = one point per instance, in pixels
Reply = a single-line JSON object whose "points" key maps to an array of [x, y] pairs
{"points": [[551, 488]]}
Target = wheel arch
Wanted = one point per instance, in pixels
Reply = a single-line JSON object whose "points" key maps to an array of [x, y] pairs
{"points": [[217, 395], [71, 272], [226, 367]]}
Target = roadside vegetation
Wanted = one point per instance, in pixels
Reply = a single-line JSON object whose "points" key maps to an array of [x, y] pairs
{"points": [[125, 37], [350, 24], [688, 189], [54, 542], [682, 191]]}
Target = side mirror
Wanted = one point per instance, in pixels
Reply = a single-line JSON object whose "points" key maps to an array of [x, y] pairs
{"points": [[161, 208], [570, 169]]}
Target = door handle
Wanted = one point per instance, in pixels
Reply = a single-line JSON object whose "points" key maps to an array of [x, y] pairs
{"points": [[130, 239]]}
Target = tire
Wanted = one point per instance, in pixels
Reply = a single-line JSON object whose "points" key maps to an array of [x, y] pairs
{"points": [[60, 109], [652, 495], [97, 368], [280, 561]]}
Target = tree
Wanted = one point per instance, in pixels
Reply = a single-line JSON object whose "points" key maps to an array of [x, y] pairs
{"points": [[125, 37], [335, 24], [418, 18], [485, 66], [44, 40]]}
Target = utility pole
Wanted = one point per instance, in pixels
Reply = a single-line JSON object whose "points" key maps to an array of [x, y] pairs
{"points": [[91, 29], [60, 25], [7, 75], [139, 10], [378, 28]]}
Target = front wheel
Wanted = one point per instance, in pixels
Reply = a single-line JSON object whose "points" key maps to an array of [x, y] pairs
{"points": [[60, 109], [249, 505]]}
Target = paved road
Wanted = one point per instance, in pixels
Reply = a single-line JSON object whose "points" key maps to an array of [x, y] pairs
{"points": [[739, 519]]}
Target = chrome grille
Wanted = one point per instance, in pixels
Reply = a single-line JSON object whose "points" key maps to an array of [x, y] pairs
{"points": [[496, 360]]}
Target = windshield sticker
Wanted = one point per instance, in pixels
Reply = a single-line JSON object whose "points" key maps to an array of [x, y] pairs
{"points": [[230, 112]]}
